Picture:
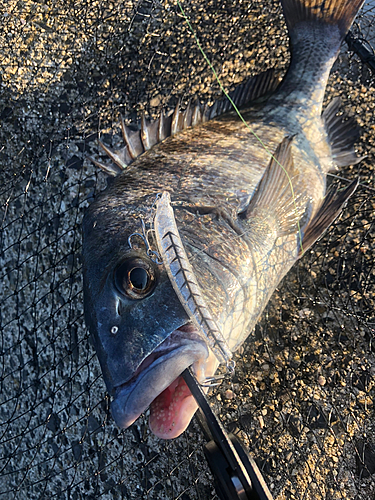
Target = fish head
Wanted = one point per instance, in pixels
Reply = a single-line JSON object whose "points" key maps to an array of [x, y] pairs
{"points": [[141, 333]]}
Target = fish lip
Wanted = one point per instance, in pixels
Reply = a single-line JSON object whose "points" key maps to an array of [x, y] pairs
{"points": [[124, 407], [162, 350]]}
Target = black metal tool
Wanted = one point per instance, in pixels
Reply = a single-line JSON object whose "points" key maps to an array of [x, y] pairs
{"points": [[236, 474]]}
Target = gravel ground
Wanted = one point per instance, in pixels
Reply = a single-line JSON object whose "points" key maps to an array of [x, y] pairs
{"points": [[302, 396]]}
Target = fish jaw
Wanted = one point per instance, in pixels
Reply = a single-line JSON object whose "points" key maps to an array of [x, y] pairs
{"points": [[160, 386]]}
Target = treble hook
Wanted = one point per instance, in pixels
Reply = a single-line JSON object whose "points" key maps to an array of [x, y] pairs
{"points": [[216, 380], [213, 381], [152, 254], [230, 365]]}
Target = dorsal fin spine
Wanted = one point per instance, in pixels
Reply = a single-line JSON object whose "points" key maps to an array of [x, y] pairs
{"points": [[164, 126], [197, 114], [128, 136], [112, 170], [145, 137], [176, 119], [153, 132], [188, 113]]}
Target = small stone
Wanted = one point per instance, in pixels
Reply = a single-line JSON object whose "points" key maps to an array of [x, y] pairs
{"points": [[155, 101], [321, 380], [331, 440], [229, 394]]}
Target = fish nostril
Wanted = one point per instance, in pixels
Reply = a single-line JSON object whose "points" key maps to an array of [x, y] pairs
{"points": [[119, 308]]}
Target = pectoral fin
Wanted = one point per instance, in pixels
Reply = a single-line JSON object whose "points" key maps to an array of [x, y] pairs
{"points": [[275, 198], [330, 208]]}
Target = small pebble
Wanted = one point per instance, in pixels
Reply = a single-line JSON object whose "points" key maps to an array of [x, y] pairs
{"points": [[229, 394], [321, 380]]}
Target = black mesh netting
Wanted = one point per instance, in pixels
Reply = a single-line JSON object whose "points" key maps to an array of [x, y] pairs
{"points": [[302, 397]]}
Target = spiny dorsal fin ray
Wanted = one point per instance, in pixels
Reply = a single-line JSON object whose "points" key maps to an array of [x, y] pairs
{"points": [[188, 115], [164, 129], [329, 210], [275, 194], [111, 169], [120, 157], [153, 132], [343, 132], [177, 119], [197, 114], [133, 141]]}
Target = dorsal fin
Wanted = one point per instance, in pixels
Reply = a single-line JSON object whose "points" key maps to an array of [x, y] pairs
{"points": [[153, 132], [249, 91], [343, 132], [329, 210]]}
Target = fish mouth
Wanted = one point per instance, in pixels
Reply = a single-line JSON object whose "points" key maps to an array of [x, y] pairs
{"points": [[158, 384]]}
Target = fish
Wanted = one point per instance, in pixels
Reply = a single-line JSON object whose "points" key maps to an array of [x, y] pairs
{"points": [[200, 222]]}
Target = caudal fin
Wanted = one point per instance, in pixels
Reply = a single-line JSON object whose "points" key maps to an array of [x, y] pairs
{"points": [[316, 30], [340, 13]]}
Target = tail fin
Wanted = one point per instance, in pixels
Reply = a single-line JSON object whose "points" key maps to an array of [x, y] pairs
{"points": [[316, 30], [340, 13]]}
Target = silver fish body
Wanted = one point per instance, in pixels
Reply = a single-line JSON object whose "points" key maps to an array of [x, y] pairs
{"points": [[244, 214]]}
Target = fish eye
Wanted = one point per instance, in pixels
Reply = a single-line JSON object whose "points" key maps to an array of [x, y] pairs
{"points": [[135, 278]]}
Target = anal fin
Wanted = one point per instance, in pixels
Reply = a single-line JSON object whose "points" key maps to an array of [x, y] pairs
{"points": [[329, 210]]}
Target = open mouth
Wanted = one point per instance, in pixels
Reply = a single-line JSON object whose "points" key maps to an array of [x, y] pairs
{"points": [[169, 410], [158, 384]]}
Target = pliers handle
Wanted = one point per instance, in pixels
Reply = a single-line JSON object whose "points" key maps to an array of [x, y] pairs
{"points": [[236, 474]]}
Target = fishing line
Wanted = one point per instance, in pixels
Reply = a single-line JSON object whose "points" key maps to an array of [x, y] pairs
{"points": [[240, 116], [222, 240]]}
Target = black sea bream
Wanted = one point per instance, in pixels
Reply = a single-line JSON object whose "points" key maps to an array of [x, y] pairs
{"points": [[185, 246]]}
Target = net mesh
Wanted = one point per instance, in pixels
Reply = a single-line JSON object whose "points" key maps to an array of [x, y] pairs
{"points": [[302, 396]]}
